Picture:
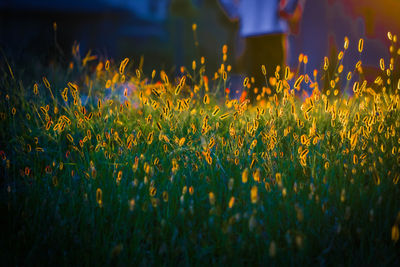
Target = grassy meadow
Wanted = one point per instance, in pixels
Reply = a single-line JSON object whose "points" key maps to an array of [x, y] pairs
{"points": [[102, 164]]}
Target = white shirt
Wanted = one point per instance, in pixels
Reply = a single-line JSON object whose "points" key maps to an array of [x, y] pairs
{"points": [[258, 17]]}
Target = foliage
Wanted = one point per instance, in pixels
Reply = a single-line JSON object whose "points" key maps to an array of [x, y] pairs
{"points": [[119, 168]]}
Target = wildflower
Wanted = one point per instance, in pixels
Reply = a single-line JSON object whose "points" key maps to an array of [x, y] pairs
{"points": [[123, 65], [326, 63], [245, 175], [257, 175], [382, 64], [246, 82], [150, 137], [99, 197], [298, 82], [165, 196], [263, 69], [119, 177], [131, 204], [231, 202], [191, 190], [35, 89], [206, 99], [284, 192], [395, 233], [216, 110], [224, 116], [254, 194], [211, 198], [346, 42], [278, 178], [360, 45], [181, 141]]}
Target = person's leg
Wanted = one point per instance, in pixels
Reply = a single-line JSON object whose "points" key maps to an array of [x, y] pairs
{"points": [[275, 54], [268, 50], [260, 57], [246, 62], [265, 50]]}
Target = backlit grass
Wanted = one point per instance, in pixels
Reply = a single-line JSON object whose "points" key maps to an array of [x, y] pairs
{"points": [[103, 164]]}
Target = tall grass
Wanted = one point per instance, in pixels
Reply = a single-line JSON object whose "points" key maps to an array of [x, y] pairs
{"points": [[115, 167]]}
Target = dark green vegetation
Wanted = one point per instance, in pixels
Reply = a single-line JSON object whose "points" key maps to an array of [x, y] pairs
{"points": [[172, 175]]}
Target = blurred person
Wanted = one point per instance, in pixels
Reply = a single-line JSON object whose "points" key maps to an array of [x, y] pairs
{"points": [[264, 25]]}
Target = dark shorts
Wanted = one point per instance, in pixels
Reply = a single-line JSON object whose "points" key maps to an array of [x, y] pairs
{"points": [[268, 50]]}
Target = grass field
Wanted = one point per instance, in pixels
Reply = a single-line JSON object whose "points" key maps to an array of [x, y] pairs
{"points": [[103, 164]]}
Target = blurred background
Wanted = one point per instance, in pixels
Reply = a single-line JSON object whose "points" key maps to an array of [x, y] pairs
{"points": [[161, 30]]}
